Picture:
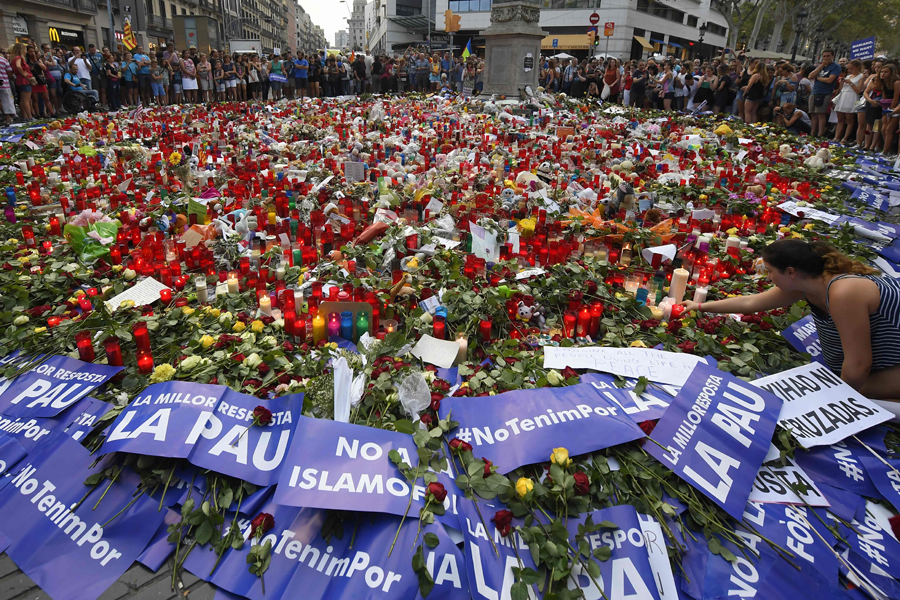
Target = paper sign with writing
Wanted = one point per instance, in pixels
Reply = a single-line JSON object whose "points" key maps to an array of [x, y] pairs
{"points": [[441, 353], [819, 408], [354, 171], [523, 426], [211, 426], [716, 434], [656, 365], [53, 386], [807, 212], [145, 292], [777, 484], [484, 243], [73, 555]]}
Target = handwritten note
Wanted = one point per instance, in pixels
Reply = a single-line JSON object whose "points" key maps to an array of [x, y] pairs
{"points": [[656, 365], [354, 171], [484, 243], [145, 292], [440, 353]]}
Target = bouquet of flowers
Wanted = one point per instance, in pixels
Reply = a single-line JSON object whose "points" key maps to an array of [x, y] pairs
{"points": [[90, 234]]}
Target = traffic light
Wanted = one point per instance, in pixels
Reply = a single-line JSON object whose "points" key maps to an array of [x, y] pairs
{"points": [[592, 38], [596, 40], [451, 21]]}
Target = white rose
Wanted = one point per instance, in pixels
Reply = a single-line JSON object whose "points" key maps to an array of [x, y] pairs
{"points": [[191, 362], [252, 361], [270, 341], [278, 323], [24, 278], [129, 274], [225, 318], [20, 320]]}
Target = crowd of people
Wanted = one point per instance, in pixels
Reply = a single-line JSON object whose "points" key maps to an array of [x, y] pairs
{"points": [[852, 102], [848, 101]]}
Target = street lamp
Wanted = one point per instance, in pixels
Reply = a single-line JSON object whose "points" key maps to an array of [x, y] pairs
{"points": [[703, 30], [766, 42], [798, 29], [820, 31]]}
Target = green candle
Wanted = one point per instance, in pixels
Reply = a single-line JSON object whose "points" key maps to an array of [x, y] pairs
{"points": [[362, 325]]}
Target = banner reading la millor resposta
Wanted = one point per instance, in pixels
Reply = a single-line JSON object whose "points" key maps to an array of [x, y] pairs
{"points": [[209, 425], [715, 435]]}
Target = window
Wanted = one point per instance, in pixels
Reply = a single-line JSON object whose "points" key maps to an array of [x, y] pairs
{"points": [[716, 29], [406, 11], [692, 21], [162, 7], [643, 6], [459, 6]]}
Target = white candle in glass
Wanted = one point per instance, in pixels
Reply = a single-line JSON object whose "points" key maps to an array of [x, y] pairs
{"points": [[463, 342], [265, 305], [679, 283], [232, 283], [202, 291]]}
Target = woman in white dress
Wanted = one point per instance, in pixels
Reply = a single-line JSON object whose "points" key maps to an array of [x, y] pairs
{"points": [[845, 103]]}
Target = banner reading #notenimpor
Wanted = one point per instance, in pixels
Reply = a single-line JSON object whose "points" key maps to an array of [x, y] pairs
{"points": [[522, 427]]}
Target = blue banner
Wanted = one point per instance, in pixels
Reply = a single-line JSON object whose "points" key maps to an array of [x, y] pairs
{"points": [[804, 337], [209, 425], [839, 465], [716, 434], [346, 467], [862, 49], [356, 565], [77, 421], [522, 427], [53, 386], [73, 554], [868, 197], [11, 452], [649, 406], [886, 477], [873, 542]]}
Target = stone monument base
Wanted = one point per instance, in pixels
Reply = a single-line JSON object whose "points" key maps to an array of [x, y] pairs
{"points": [[512, 48]]}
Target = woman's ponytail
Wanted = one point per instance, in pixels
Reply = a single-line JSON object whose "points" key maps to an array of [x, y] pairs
{"points": [[836, 263], [812, 258]]}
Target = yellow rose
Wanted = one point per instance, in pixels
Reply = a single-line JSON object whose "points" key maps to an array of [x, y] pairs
{"points": [[207, 340], [809, 226], [523, 486], [162, 373], [187, 310], [238, 327], [117, 268], [40, 329], [732, 231], [796, 235], [214, 312], [638, 344], [256, 326], [704, 197], [126, 304], [560, 457]]}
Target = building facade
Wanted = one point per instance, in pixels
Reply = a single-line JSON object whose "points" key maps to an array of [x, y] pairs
{"points": [[641, 28], [68, 22], [358, 26], [291, 12], [342, 39], [393, 25]]}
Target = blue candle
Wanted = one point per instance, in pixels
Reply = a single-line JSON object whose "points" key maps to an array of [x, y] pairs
{"points": [[347, 325]]}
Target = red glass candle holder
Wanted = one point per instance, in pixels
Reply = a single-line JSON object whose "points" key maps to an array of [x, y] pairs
{"points": [[439, 328], [484, 329], [85, 346], [570, 320], [141, 336], [144, 362], [113, 351]]}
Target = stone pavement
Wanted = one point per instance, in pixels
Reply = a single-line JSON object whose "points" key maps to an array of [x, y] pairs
{"points": [[138, 583]]}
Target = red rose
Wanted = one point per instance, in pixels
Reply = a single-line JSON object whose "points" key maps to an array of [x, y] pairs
{"points": [[431, 368], [569, 372], [895, 525], [647, 426], [436, 401], [288, 347], [214, 381], [687, 347], [459, 445], [674, 326], [765, 326], [262, 523], [267, 320], [582, 483], [710, 328], [487, 467], [503, 521], [437, 490], [649, 324], [262, 415], [426, 418], [263, 368], [239, 357]]}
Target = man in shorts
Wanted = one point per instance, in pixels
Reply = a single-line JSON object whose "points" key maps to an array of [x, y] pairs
{"points": [[824, 78], [7, 104], [143, 64], [98, 78]]}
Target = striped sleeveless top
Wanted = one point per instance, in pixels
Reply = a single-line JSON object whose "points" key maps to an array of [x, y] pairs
{"points": [[884, 322]]}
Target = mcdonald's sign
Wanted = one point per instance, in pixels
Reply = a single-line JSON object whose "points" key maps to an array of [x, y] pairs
{"points": [[69, 37]]}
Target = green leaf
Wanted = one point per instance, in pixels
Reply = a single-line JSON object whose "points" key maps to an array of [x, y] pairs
{"points": [[418, 559], [432, 540], [404, 426], [593, 568], [602, 553], [204, 532], [426, 583], [518, 591]]}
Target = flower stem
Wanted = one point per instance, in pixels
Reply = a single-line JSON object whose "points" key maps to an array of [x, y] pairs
{"points": [[406, 512]]}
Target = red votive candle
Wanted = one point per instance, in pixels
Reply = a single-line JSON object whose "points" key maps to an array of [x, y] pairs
{"points": [[113, 351], [85, 346]]}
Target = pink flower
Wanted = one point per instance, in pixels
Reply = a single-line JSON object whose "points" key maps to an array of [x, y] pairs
{"points": [[89, 217]]}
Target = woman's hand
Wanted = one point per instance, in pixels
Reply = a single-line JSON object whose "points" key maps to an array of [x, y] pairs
{"points": [[689, 305]]}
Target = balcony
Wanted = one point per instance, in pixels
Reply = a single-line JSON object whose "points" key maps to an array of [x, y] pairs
{"points": [[81, 6], [158, 22]]}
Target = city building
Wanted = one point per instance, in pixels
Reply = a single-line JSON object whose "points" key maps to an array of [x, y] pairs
{"points": [[291, 24], [358, 26], [393, 25], [318, 40], [641, 28], [69, 22], [304, 24], [342, 39]]}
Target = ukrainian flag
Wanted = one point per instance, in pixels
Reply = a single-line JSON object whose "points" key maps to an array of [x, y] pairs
{"points": [[468, 51]]}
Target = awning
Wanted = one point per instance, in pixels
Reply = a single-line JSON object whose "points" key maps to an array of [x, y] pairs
{"points": [[674, 45], [414, 23], [657, 41], [643, 42], [571, 41]]}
